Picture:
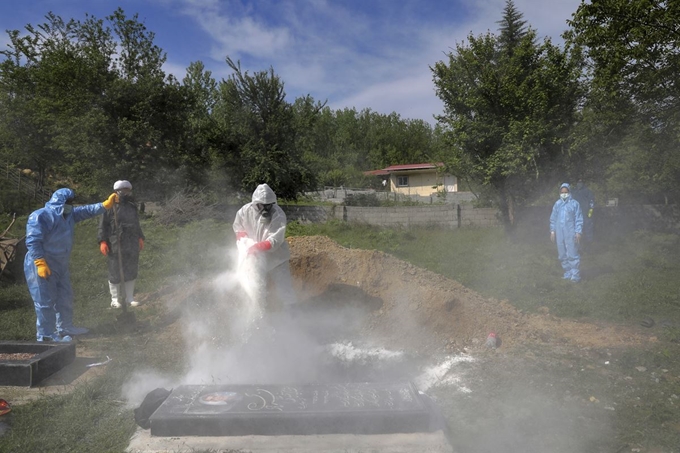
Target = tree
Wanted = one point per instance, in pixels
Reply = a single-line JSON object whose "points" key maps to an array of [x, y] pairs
{"points": [[87, 103], [633, 51], [509, 106], [262, 124]]}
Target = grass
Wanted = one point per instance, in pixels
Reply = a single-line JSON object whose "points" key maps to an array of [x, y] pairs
{"points": [[627, 278]]}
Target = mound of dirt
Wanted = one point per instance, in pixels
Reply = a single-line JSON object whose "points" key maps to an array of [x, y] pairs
{"points": [[426, 311]]}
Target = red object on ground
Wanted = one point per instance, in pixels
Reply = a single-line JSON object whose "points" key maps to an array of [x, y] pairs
{"points": [[4, 407], [492, 340]]}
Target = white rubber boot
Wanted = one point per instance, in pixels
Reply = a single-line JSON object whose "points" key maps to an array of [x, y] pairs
{"points": [[113, 288], [129, 293]]}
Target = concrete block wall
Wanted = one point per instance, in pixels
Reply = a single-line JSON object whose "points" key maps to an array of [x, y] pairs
{"points": [[443, 216], [309, 214], [478, 217], [536, 218], [448, 216]]}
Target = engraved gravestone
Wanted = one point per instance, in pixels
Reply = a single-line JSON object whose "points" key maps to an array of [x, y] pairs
{"points": [[239, 410]]}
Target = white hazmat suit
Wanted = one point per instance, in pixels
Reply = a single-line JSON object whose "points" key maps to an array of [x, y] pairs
{"points": [[261, 226]]}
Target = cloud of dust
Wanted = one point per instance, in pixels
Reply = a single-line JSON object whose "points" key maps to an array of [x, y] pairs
{"points": [[229, 339]]}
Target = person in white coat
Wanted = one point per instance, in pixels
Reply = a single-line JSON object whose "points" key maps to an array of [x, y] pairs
{"points": [[262, 223]]}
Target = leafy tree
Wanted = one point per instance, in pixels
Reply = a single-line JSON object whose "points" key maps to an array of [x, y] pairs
{"points": [[510, 104], [49, 78], [88, 103], [263, 126], [633, 51]]}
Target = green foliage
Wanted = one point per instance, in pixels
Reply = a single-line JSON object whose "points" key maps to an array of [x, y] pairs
{"points": [[509, 105], [84, 103], [263, 125], [633, 106]]}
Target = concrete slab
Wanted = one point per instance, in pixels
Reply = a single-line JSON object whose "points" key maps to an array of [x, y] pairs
{"points": [[431, 442], [49, 358], [239, 410]]}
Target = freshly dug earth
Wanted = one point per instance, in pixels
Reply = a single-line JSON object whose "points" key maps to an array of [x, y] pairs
{"points": [[553, 385], [427, 311]]}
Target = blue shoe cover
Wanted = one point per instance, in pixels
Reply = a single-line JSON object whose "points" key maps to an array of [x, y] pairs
{"points": [[74, 331]]}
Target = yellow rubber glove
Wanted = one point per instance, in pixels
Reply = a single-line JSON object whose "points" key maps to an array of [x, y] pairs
{"points": [[108, 204], [43, 269], [590, 212]]}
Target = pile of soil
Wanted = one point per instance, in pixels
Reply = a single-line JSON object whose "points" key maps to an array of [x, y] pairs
{"points": [[420, 309]]}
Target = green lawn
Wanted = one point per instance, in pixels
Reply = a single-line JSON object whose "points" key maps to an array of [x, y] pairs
{"points": [[626, 278]]}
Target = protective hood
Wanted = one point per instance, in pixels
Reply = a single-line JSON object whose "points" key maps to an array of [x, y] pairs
{"points": [[59, 199], [565, 185], [264, 195]]}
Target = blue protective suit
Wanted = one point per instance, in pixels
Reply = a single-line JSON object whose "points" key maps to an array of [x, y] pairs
{"points": [[566, 221], [49, 235]]}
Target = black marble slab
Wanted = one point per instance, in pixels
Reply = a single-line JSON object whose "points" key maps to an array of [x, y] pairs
{"points": [[240, 410], [49, 358]]}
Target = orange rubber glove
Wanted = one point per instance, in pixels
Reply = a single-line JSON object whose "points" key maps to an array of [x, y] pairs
{"points": [[241, 234], [108, 204], [43, 269], [104, 248], [141, 244], [259, 247]]}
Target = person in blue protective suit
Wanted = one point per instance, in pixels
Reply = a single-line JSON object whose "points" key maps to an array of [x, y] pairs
{"points": [[586, 199], [566, 226], [261, 224], [49, 240]]}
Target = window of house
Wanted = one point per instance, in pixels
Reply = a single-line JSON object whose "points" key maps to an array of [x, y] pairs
{"points": [[402, 181]]}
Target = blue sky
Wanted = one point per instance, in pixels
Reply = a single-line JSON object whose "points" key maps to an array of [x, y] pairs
{"points": [[364, 54]]}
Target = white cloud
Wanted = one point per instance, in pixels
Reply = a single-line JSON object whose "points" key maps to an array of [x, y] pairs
{"points": [[179, 71], [358, 56], [233, 35]]}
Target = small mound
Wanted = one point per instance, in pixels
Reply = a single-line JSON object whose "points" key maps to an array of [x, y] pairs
{"points": [[426, 311]]}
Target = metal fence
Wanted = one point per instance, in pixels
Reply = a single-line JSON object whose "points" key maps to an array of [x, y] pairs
{"points": [[25, 185]]}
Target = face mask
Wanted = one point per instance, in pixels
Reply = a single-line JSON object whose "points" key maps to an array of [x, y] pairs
{"points": [[67, 209], [267, 210], [564, 196]]}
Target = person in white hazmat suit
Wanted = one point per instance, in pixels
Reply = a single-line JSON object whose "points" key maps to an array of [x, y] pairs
{"points": [[260, 228]]}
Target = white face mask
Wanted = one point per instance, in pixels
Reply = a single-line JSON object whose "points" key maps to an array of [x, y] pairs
{"points": [[564, 196]]}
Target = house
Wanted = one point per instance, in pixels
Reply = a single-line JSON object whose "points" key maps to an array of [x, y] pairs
{"points": [[416, 179]]}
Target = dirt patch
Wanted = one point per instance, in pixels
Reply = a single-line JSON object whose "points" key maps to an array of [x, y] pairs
{"points": [[425, 310]]}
